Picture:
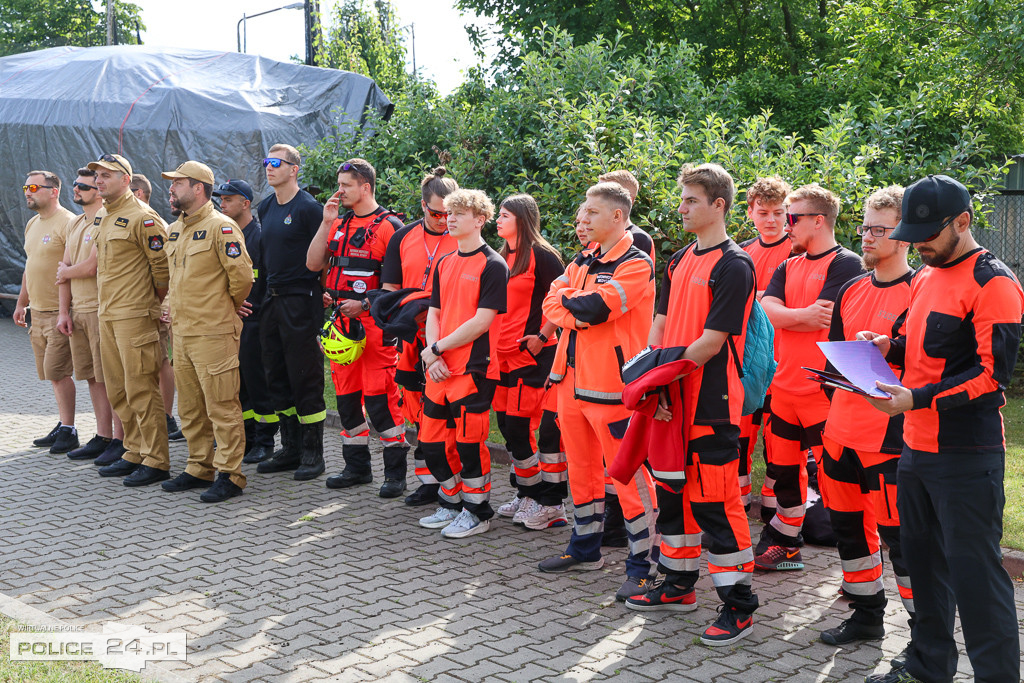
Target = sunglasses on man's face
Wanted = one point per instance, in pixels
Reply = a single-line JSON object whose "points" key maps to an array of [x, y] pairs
{"points": [[82, 187], [33, 188], [942, 227], [111, 159], [793, 218], [276, 163], [437, 214]]}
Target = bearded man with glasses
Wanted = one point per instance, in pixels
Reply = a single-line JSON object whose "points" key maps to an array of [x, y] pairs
{"points": [[291, 316], [799, 301]]}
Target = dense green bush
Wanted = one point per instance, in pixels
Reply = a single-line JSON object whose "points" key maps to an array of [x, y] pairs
{"points": [[577, 110]]}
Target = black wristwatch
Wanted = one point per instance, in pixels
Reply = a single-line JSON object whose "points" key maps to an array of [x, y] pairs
{"points": [[365, 304], [544, 339], [434, 350]]}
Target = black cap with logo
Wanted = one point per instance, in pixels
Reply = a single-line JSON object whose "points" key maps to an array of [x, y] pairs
{"points": [[234, 186], [926, 204]]}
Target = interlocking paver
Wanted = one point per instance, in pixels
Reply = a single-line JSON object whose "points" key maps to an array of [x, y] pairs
{"points": [[360, 591]]}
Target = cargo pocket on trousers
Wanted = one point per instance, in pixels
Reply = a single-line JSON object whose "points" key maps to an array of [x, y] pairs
{"points": [[144, 358], [223, 379]]}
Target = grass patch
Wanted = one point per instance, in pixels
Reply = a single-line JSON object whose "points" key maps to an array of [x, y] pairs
{"points": [[1013, 482], [53, 672]]}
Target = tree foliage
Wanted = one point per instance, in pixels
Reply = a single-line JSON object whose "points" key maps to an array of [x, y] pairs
{"points": [[363, 37], [27, 25], [573, 111]]}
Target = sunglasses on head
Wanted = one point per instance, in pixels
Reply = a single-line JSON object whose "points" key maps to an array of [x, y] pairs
{"points": [[229, 189], [111, 159], [83, 187], [792, 218], [33, 188], [276, 163]]}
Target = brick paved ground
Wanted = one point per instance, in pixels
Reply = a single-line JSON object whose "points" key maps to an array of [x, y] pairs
{"points": [[293, 582]]}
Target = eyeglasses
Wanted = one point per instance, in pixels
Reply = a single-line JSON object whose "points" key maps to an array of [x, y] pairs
{"points": [[792, 218], [875, 230], [83, 187], [33, 188], [111, 159], [942, 227], [437, 214], [276, 163]]}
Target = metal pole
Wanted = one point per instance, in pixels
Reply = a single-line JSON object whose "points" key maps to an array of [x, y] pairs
{"points": [[238, 32]]}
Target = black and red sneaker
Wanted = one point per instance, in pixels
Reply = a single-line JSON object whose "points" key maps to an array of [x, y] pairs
{"points": [[730, 626], [779, 558], [664, 597]]}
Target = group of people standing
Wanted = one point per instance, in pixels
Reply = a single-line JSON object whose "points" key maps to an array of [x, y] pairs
{"points": [[428, 325]]}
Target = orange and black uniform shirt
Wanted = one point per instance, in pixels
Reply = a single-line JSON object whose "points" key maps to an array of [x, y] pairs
{"points": [[356, 247], [413, 254], [641, 240], [864, 303], [798, 283], [709, 289], [526, 293], [767, 257], [462, 284], [959, 346]]}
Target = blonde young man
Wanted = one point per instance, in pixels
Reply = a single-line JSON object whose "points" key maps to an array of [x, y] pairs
{"points": [[45, 237]]}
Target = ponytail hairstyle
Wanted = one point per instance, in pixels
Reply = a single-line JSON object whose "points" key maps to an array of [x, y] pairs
{"points": [[435, 184], [524, 208]]}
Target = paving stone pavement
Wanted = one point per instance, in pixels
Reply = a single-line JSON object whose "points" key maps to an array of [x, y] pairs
{"points": [[294, 582]]}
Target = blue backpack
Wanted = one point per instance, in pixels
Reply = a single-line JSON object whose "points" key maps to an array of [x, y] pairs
{"points": [[758, 366]]}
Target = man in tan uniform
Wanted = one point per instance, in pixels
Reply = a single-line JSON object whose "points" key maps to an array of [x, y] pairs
{"points": [[45, 235], [79, 319], [131, 276], [211, 274]]}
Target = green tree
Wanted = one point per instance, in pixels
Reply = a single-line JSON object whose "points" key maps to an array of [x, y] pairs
{"points": [[27, 25], [364, 37]]}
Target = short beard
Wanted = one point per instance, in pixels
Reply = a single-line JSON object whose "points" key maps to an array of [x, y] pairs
{"points": [[869, 261]]}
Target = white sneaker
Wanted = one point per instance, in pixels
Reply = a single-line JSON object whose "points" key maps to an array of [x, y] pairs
{"points": [[466, 524], [441, 518], [528, 507], [545, 516], [510, 508]]}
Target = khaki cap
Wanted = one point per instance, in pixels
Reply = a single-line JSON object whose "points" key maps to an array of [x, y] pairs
{"points": [[193, 170], [112, 162]]}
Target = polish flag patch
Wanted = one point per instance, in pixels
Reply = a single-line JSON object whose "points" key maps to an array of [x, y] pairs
{"points": [[226, 230], [149, 223]]}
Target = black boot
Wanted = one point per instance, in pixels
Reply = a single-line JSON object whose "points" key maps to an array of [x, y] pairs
{"points": [[262, 446], [357, 467], [395, 470], [312, 458], [288, 458]]}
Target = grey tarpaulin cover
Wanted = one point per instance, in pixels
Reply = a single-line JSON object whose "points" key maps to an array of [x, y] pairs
{"points": [[61, 108]]}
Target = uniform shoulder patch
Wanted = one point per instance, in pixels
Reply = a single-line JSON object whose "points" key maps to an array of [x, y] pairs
{"points": [[226, 230], [173, 237], [199, 235], [149, 223], [156, 242], [233, 249], [97, 220], [121, 222]]}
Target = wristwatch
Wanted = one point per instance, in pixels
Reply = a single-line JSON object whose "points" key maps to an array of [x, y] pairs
{"points": [[365, 304], [434, 350], [542, 337]]}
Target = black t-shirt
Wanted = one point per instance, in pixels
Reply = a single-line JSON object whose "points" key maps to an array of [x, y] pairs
{"points": [[253, 243], [641, 240], [287, 230]]}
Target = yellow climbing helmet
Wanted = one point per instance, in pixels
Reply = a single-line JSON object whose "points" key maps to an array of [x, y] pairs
{"points": [[342, 339]]}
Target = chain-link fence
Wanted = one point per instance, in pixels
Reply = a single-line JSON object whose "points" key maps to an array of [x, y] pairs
{"points": [[1005, 236]]}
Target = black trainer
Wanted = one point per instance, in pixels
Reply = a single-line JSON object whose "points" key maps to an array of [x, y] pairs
{"points": [[144, 475], [176, 435], [730, 626], [91, 450], [66, 441], [172, 426], [112, 454], [184, 482], [222, 489], [47, 441], [121, 468], [850, 631], [424, 495]]}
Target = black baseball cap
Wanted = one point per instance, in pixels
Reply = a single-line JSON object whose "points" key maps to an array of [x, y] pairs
{"points": [[926, 204], [234, 187]]}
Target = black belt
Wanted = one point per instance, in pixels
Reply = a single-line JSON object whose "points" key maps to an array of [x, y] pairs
{"points": [[294, 289]]}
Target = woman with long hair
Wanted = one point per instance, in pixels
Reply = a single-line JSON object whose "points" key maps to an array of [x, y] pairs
{"points": [[526, 349]]}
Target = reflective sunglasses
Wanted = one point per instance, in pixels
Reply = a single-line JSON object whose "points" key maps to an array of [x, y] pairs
{"points": [[276, 163], [83, 187], [437, 215], [875, 230], [33, 188], [111, 159], [942, 227], [792, 218]]}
